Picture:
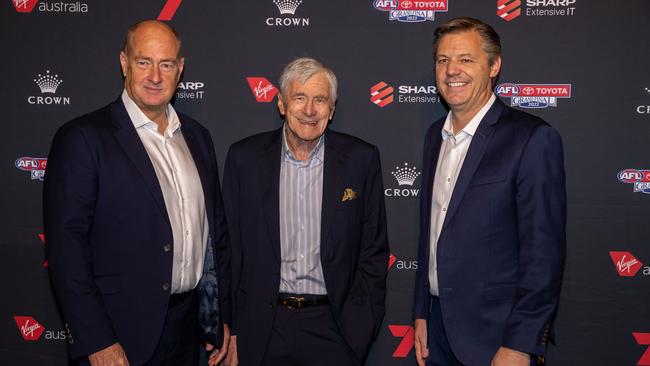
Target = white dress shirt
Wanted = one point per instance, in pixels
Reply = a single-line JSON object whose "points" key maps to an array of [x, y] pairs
{"points": [[182, 191], [450, 161]]}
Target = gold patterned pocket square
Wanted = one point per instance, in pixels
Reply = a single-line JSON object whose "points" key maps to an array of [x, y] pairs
{"points": [[348, 195]]}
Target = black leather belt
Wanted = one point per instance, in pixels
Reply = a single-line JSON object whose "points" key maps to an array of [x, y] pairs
{"points": [[179, 298], [296, 301]]}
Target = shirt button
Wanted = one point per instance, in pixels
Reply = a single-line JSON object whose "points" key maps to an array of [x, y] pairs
{"points": [[167, 247], [448, 180], [302, 256], [165, 286], [444, 209], [187, 232]]}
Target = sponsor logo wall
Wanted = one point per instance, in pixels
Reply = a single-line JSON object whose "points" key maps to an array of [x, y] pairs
{"points": [[563, 60]]}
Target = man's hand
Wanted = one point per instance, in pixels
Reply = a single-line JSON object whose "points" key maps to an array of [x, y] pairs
{"points": [[421, 347], [510, 357], [110, 356], [231, 359], [215, 357]]}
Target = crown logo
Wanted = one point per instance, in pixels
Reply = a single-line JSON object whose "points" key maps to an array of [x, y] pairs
{"points": [[405, 176], [48, 83], [287, 6]]}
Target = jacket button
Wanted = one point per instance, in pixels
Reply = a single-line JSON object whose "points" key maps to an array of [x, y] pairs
{"points": [[165, 286], [167, 248]]}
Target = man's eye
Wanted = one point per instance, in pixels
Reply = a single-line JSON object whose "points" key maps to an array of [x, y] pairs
{"points": [[465, 60], [166, 66], [442, 61]]}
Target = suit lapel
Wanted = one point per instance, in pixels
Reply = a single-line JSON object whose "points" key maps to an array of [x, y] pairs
{"points": [[430, 157], [269, 180], [332, 183], [477, 147], [128, 138]]}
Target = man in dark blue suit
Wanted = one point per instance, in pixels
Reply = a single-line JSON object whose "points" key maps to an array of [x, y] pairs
{"points": [[493, 212], [134, 220], [307, 223]]}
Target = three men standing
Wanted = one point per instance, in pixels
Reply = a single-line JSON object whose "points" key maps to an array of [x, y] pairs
{"points": [[493, 212]]}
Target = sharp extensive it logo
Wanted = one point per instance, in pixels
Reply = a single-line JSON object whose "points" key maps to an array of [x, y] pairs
{"points": [[262, 89], [533, 95], [34, 165], [411, 11], [407, 334], [381, 94], [643, 339], [24, 6], [190, 90], [640, 179], [508, 9], [405, 176], [29, 328], [287, 8], [626, 264]]}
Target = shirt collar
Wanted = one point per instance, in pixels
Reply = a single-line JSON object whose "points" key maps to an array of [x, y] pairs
{"points": [[470, 128], [315, 154], [139, 119]]}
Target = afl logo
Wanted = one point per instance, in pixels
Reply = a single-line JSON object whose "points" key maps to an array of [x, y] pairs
{"points": [[630, 176], [507, 90]]}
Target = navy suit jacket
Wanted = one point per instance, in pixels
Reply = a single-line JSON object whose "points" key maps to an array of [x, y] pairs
{"points": [[109, 240], [502, 245], [354, 244]]}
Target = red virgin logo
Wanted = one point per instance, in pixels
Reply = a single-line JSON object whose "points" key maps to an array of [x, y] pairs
{"points": [[29, 328], [626, 264], [24, 6], [262, 89]]}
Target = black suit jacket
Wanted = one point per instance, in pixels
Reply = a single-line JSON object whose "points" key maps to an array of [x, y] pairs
{"points": [[354, 248], [109, 240]]}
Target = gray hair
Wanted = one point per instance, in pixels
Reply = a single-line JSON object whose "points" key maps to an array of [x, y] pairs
{"points": [[302, 69]]}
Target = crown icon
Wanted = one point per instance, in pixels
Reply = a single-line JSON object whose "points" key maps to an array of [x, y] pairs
{"points": [[405, 176], [287, 6], [48, 83]]}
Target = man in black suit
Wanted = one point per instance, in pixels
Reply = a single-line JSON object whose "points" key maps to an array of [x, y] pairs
{"points": [[306, 215], [134, 219]]}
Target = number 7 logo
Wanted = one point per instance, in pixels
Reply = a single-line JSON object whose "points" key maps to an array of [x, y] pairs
{"points": [[406, 332], [169, 9], [644, 340]]}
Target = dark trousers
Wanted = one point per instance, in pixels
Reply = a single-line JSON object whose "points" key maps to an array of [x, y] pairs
{"points": [[307, 337], [179, 341], [437, 338]]}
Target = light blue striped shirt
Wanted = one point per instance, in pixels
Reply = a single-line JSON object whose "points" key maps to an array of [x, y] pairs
{"points": [[301, 196]]}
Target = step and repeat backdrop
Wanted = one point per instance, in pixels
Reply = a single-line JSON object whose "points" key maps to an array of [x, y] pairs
{"points": [[582, 65]]}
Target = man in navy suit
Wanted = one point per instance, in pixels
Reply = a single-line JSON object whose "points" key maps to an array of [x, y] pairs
{"points": [[493, 212], [307, 223], [134, 219]]}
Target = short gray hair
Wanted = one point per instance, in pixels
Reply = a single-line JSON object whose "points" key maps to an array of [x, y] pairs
{"points": [[302, 69]]}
